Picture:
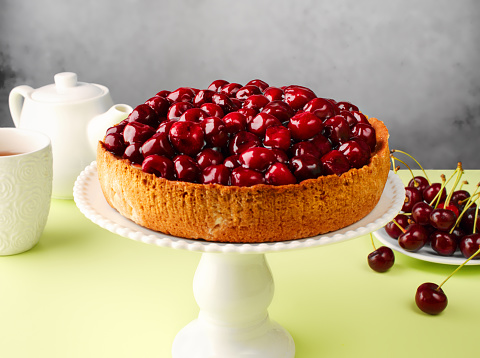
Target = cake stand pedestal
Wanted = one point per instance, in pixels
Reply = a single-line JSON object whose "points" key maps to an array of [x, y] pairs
{"points": [[233, 284]]}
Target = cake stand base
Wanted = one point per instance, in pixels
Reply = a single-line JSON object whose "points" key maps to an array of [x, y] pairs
{"points": [[233, 292]]}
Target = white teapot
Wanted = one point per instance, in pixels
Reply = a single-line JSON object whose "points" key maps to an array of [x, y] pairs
{"points": [[75, 115]]}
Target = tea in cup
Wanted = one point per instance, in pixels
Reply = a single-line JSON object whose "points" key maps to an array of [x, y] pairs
{"points": [[26, 171]]}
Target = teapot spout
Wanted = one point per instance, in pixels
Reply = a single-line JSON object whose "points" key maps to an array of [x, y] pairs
{"points": [[98, 125]]}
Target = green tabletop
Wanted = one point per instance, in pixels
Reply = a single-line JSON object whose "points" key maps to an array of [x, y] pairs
{"points": [[85, 292]]}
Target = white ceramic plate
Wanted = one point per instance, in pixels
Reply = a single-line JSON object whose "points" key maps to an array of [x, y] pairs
{"points": [[91, 202], [426, 253]]}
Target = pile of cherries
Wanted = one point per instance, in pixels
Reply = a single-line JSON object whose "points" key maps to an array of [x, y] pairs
{"points": [[447, 222], [243, 135]]}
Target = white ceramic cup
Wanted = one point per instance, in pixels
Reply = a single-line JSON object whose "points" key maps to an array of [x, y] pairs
{"points": [[25, 188]]}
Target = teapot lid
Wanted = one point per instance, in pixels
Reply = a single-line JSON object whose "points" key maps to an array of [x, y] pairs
{"points": [[67, 89]]}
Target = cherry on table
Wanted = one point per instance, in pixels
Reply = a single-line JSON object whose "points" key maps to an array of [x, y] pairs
{"points": [[430, 298], [382, 259]]}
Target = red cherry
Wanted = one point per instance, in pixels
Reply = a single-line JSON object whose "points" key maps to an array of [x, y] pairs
{"points": [[182, 94], [298, 96], [382, 259], [360, 117], [249, 113], [213, 110], [137, 132], [231, 162], [305, 126], [414, 238], [187, 137], [247, 91], [279, 174], [259, 83], [193, 115], [225, 103], [412, 196], [177, 109], [277, 137], [256, 101], [230, 89], [246, 177], [273, 94], [143, 113], [209, 156], [450, 206], [419, 182], [468, 220], [322, 144], [158, 144], [257, 158], [356, 151], [305, 167], [393, 230], [430, 298], [349, 117], [280, 156], [261, 122], [442, 219], [243, 141], [320, 107], [279, 109], [305, 147], [334, 162], [160, 166], [133, 153], [234, 122], [216, 134], [470, 244], [163, 93], [365, 132], [337, 130], [459, 198], [159, 104], [347, 106], [203, 96], [443, 243], [216, 174], [186, 169], [114, 143], [116, 129], [431, 191], [421, 213], [215, 85]]}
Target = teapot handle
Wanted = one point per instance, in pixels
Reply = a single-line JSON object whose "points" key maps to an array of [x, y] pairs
{"points": [[15, 101]]}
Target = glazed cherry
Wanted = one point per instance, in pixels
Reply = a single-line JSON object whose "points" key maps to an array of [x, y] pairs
{"points": [[334, 162], [186, 169], [412, 196], [209, 156], [213, 110], [443, 219], [298, 96], [279, 174], [257, 158], [277, 137], [118, 129], [356, 151], [177, 109], [114, 143], [419, 182], [261, 122], [382, 259], [393, 230], [280, 156], [322, 144], [431, 191], [187, 137], [273, 94], [215, 130], [249, 113], [246, 91], [430, 298], [305, 147], [321, 107], [337, 130], [243, 141], [203, 96], [279, 109], [259, 83], [158, 144], [215, 85], [234, 122], [305, 125], [160, 105], [143, 113], [137, 132], [231, 162], [230, 89], [469, 245], [443, 243], [414, 237], [365, 132], [347, 106], [224, 102], [133, 153], [246, 177], [359, 117], [160, 166], [216, 174], [349, 117], [182, 94], [305, 167], [163, 93], [256, 101], [421, 213], [193, 115]]}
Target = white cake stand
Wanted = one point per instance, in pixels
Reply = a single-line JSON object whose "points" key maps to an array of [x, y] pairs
{"points": [[233, 284]]}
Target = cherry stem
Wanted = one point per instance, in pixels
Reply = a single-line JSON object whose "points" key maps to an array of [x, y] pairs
{"points": [[465, 208], [399, 226], [462, 184], [401, 161], [371, 239], [439, 194], [458, 268], [459, 171], [424, 173], [475, 222]]}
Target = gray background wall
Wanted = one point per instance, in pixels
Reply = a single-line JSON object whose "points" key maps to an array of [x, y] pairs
{"points": [[415, 64]]}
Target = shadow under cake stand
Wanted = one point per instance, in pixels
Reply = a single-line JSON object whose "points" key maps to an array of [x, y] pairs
{"points": [[233, 284]]}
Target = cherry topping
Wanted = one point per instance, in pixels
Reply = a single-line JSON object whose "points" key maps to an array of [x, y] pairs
{"points": [[159, 165], [337, 130], [114, 143], [273, 94], [225, 103], [159, 104], [346, 106], [234, 122], [277, 137], [365, 132], [213, 110], [320, 107], [231, 162], [257, 158], [158, 144], [279, 174], [249, 113], [216, 174], [133, 153], [356, 151], [203, 96], [243, 141], [230, 89], [430, 298], [177, 109], [334, 162], [182, 94], [256, 101], [187, 137], [259, 83], [261, 122], [186, 169], [279, 109], [322, 144], [247, 91], [209, 156], [143, 113], [137, 132], [193, 115], [246, 177], [305, 167], [298, 96], [163, 93], [305, 126], [215, 85], [382, 259], [216, 134]]}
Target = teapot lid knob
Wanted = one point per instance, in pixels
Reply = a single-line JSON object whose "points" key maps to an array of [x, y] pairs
{"points": [[65, 80]]}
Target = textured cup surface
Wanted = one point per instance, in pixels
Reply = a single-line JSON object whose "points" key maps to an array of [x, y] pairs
{"points": [[25, 188]]}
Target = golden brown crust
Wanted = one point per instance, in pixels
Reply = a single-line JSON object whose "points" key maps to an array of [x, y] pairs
{"points": [[262, 213]]}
